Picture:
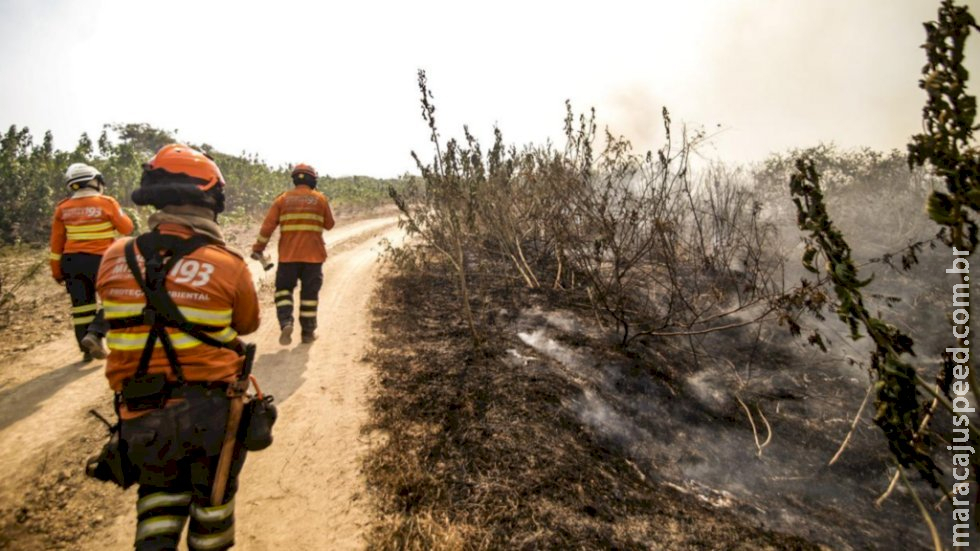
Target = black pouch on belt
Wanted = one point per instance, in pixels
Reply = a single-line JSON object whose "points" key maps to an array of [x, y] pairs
{"points": [[147, 391], [260, 415], [112, 463]]}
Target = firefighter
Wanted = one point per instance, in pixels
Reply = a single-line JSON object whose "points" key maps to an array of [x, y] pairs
{"points": [[174, 349], [84, 225], [301, 214]]}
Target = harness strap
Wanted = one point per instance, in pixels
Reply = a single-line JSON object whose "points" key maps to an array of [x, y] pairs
{"points": [[161, 311]]}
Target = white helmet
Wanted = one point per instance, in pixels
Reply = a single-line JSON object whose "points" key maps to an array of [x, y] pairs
{"points": [[81, 175]]}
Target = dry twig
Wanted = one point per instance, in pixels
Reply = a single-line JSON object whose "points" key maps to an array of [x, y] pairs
{"points": [[854, 425], [755, 432]]}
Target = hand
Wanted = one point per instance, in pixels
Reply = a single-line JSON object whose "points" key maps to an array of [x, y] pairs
{"points": [[265, 261]]}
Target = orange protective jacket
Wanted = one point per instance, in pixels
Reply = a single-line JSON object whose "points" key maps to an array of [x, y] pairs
{"points": [[85, 223], [301, 214], [211, 286]]}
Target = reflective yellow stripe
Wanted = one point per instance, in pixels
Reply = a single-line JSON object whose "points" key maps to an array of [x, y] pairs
{"points": [[283, 293], [262, 239], [89, 228], [212, 541], [303, 314], [225, 335], [126, 341], [181, 341], [158, 526], [84, 308], [54, 256], [114, 310], [91, 236], [286, 302], [213, 514], [83, 321], [307, 303], [203, 316], [160, 500], [301, 227], [304, 216]]}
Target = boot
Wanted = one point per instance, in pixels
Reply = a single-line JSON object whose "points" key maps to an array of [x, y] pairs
{"points": [[92, 345], [309, 337], [286, 335]]}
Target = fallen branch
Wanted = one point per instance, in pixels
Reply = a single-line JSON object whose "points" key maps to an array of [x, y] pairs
{"points": [[755, 432]]}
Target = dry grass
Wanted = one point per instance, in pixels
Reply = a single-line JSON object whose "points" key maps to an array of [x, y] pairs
{"points": [[33, 308]]}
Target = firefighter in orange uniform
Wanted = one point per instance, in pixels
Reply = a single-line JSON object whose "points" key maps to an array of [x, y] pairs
{"points": [[83, 227], [301, 214], [171, 377]]}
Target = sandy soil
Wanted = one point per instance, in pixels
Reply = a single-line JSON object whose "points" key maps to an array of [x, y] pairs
{"points": [[305, 492]]}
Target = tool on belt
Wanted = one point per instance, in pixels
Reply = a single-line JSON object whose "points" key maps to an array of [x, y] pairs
{"points": [[259, 414], [236, 395]]}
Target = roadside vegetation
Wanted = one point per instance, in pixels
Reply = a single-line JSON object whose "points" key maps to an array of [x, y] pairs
{"points": [[647, 304], [32, 183], [32, 177]]}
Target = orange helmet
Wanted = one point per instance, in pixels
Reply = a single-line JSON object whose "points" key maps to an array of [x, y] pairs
{"points": [[304, 174], [180, 175], [177, 158]]}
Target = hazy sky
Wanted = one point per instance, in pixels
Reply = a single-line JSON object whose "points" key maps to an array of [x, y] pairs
{"points": [[333, 83]]}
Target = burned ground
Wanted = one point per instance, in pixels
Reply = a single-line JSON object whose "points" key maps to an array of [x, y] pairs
{"points": [[497, 449]]}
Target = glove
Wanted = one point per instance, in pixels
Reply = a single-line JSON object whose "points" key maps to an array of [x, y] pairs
{"points": [[265, 261]]}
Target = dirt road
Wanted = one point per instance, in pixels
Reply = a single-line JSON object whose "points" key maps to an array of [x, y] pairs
{"points": [[305, 492]]}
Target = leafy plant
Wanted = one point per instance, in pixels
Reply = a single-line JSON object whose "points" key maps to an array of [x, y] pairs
{"points": [[651, 247], [946, 147], [899, 412]]}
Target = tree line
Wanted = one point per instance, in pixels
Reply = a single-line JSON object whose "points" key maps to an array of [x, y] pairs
{"points": [[32, 176]]}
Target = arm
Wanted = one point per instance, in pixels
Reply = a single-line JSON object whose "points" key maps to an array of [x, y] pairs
{"points": [[57, 245], [122, 223], [268, 226], [105, 269], [328, 221], [245, 311]]}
